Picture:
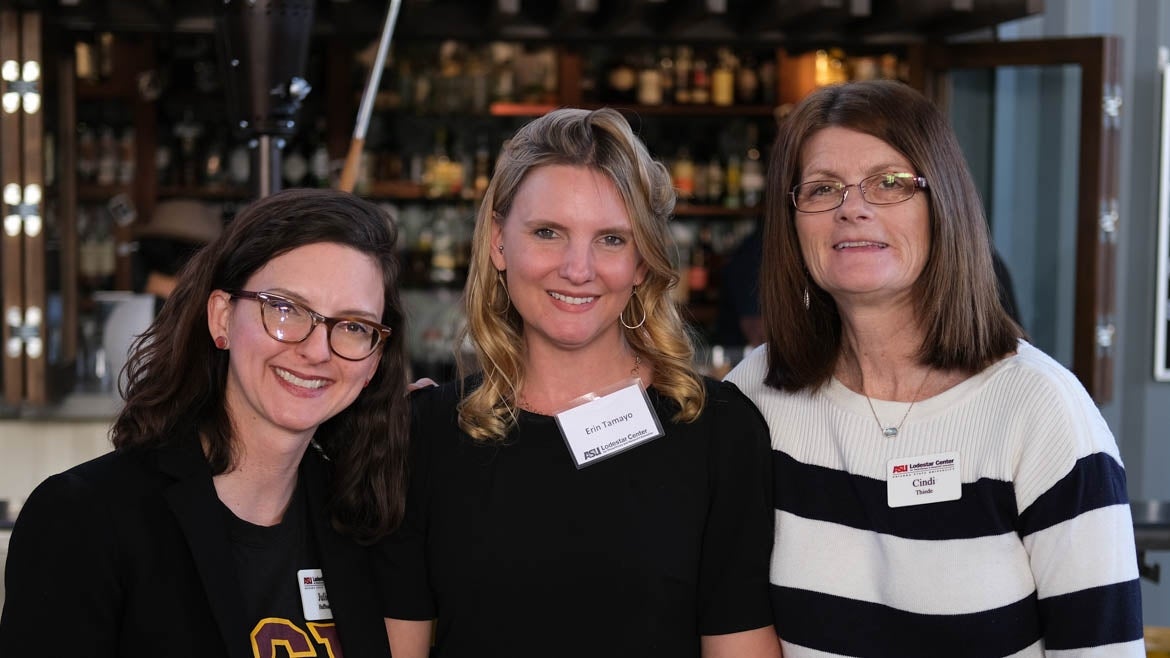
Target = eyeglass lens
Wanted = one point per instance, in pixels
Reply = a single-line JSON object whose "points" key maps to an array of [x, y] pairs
{"points": [[879, 189], [290, 322]]}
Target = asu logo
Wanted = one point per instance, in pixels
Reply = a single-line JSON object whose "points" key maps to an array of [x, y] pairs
{"points": [[901, 468], [593, 452]]}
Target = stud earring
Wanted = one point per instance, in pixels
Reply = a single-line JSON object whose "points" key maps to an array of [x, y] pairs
{"points": [[501, 248], [221, 342]]}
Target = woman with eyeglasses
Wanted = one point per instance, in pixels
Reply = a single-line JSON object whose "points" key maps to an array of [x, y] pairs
{"points": [[586, 493], [262, 442], [943, 488]]}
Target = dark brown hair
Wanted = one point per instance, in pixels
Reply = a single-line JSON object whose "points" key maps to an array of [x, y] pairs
{"points": [[175, 377], [964, 323]]}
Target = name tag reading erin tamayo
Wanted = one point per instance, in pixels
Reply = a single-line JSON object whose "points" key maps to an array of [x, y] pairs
{"points": [[606, 425], [923, 479]]}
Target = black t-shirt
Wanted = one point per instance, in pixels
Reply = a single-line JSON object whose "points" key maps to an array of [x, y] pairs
{"points": [[519, 553], [270, 568]]}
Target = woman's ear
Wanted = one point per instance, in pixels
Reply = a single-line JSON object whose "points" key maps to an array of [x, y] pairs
{"points": [[496, 248], [219, 313]]}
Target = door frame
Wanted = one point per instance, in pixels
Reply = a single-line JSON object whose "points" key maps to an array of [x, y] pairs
{"points": [[1099, 60]]}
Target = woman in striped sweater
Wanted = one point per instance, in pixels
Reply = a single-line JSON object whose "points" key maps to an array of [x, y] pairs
{"points": [[943, 488]]}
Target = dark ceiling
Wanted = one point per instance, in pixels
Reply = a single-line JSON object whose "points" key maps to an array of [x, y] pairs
{"points": [[787, 21]]}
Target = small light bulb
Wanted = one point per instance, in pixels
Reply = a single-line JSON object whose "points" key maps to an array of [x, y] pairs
{"points": [[10, 70], [32, 225], [12, 194], [32, 71], [11, 101], [12, 225], [32, 194], [32, 102]]}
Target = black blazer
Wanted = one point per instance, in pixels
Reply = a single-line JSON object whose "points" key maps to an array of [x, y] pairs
{"points": [[129, 555]]}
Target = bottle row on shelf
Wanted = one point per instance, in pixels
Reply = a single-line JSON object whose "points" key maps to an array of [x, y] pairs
{"points": [[724, 178], [720, 164], [681, 75], [453, 77]]}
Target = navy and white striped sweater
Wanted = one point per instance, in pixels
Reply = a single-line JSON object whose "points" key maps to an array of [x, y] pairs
{"points": [[1035, 559]]}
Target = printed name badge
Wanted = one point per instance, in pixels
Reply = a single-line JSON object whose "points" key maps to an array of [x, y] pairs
{"points": [[605, 426], [923, 479], [314, 598]]}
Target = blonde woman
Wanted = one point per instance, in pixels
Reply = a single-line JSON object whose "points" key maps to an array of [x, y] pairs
{"points": [[587, 493]]}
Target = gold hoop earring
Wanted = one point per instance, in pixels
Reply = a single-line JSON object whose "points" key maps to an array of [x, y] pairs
{"points": [[622, 316], [504, 287]]}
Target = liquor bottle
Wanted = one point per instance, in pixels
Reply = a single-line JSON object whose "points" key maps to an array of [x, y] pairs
{"points": [[701, 82], [127, 156], [752, 177], [87, 153], [714, 180], [702, 262], [622, 81], [683, 175], [733, 194], [443, 257], [294, 166], [107, 163], [319, 162], [649, 81], [701, 184], [666, 74], [682, 75], [723, 79], [767, 80], [747, 82], [482, 165], [239, 165]]}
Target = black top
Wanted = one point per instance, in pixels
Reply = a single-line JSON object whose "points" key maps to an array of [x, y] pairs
{"points": [[519, 553], [130, 555]]}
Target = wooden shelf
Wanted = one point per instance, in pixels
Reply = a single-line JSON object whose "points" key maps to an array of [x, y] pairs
{"points": [[213, 192], [692, 110], [696, 210], [92, 192]]}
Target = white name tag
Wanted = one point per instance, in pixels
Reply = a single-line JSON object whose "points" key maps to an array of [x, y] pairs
{"points": [[314, 598], [923, 479], [605, 426]]}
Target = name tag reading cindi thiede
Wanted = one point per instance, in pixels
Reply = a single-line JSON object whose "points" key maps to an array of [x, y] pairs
{"points": [[607, 425], [923, 479]]}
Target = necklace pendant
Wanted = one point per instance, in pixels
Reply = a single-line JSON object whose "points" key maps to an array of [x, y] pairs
{"points": [[890, 432]]}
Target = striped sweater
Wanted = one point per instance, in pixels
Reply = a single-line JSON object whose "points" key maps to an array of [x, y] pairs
{"points": [[1036, 557]]}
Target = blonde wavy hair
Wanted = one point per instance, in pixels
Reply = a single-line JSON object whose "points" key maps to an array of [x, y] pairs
{"points": [[601, 140]]}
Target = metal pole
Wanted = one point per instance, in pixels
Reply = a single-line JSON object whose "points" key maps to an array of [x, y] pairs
{"points": [[353, 158]]}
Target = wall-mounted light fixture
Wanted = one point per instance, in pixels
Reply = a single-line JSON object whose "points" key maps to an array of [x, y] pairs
{"points": [[23, 86], [22, 210]]}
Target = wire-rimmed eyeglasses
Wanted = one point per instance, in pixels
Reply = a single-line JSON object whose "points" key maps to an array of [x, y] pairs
{"points": [[880, 189], [352, 339]]}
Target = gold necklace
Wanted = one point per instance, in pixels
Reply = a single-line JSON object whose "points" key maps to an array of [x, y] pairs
{"points": [[891, 431], [524, 404]]}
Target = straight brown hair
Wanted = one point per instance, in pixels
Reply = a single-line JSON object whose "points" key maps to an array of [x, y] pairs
{"points": [[966, 327]]}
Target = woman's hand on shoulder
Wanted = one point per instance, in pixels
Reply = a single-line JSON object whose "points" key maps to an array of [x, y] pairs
{"points": [[417, 384]]}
